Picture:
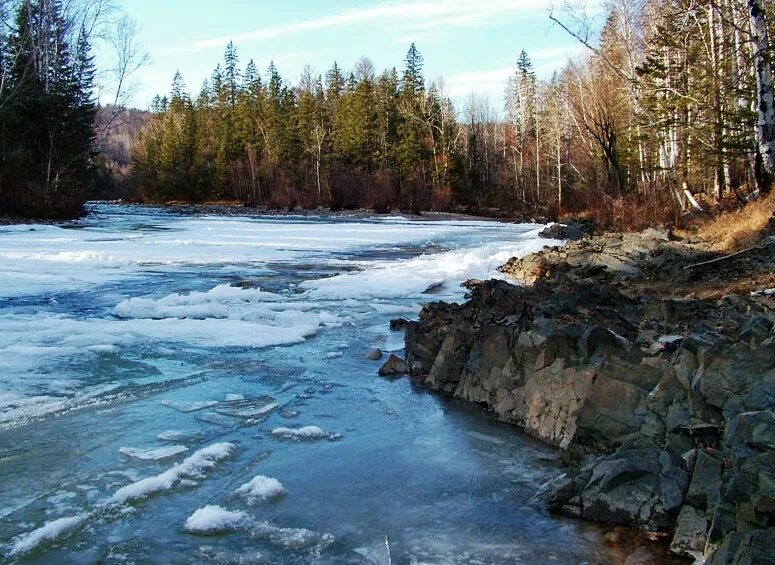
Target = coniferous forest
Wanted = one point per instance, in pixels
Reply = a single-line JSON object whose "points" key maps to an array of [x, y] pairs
{"points": [[47, 111], [670, 110]]}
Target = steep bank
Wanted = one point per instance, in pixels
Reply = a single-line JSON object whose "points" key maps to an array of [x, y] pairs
{"points": [[649, 362]]}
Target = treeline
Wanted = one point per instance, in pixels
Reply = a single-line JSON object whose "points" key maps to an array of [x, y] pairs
{"points": [[46, 109], [353, 139], [672, 107]]}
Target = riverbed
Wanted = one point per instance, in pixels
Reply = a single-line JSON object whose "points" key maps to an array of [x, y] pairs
{"points": [[184, 388]]}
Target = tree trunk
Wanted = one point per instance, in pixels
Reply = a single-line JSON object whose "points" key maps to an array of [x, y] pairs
{"points": [[765, 134]]}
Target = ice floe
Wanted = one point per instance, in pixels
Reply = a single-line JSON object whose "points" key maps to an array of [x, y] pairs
{"points": [[248, 408], [155, 453], [179, 435], [303, 433], [292, 538], [189, 406], [191, 467]]}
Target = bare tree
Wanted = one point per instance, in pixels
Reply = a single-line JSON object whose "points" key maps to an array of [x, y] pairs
{"points": [[129, 58]]}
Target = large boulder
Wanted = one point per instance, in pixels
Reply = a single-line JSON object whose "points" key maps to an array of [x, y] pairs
{"points": [[642, 487]]}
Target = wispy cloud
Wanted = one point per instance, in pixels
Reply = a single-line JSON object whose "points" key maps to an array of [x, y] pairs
{"points": [[492, 82], [414, 15]]}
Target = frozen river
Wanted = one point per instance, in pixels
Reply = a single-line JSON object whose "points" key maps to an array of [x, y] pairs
{"points": [[187, 389]]}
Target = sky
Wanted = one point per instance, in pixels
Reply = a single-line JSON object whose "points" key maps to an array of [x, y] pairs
{"points": [[473, 44]]}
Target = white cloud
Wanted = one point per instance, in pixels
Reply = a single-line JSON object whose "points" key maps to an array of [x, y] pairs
{"points": [[492, 82], [415, 15]]}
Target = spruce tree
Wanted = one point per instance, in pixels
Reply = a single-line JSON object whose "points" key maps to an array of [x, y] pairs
{"points": [[49, 167]]}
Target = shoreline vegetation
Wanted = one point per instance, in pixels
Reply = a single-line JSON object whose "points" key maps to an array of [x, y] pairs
{"points": [[618, 136]]}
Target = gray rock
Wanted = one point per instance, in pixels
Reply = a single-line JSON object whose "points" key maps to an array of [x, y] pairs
{"points": [[691, 532], [642, 487], [705, 485], [750, 548]]}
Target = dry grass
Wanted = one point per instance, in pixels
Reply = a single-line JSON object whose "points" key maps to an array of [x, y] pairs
{"points": [[739, 229], [633, 212]]}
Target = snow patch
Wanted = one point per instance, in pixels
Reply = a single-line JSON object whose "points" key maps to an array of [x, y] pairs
{"points": [[260, 489], [212, 519], [49, 531], [191, 467]]}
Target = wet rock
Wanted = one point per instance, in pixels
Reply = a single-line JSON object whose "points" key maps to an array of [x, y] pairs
{"points": [[394, 367], [373, 355], [398, 324], [642, 487]]}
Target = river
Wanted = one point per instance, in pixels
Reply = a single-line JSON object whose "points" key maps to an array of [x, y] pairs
{"points": [[189, 388]]}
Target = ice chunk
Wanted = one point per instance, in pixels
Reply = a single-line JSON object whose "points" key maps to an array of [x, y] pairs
{"points": [[233, 397], [488, 439], [46, 533], [179, 435], [188, 406], [192, 466], [261, 488], [292, 538], [302, 433], [212, 519], [153, 454], [248, 408]]}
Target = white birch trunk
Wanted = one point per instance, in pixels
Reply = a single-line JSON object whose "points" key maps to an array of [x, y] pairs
{"points": [[765, 135]]}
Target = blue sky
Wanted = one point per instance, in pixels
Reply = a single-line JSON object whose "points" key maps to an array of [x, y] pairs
{"points": [[473, 44]]}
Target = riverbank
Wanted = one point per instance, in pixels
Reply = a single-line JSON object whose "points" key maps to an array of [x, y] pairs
{"points": [[233, 208], [649, 359]]}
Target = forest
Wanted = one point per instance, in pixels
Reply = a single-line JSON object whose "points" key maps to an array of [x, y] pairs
{"points": [[51, 130], [669, 111]]}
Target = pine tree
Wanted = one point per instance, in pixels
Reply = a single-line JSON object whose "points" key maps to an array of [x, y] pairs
{"points": [[413, 80], [51, 128], [231, 73]]}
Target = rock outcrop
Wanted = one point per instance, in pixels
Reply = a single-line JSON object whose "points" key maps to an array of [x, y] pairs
{"points": [[667, 404]]}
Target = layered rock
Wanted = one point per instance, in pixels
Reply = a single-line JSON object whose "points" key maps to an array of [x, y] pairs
{"points": [[671, 398]]}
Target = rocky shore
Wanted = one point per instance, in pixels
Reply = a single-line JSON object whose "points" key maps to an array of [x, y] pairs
{"points": [[647, 359]]}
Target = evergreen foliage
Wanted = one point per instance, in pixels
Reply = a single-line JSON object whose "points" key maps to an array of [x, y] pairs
{"points": [[661, 113], [47, 113]]}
